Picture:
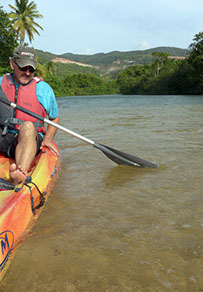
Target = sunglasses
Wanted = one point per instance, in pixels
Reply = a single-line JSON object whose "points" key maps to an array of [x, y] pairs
{"points": [[24, 69]]}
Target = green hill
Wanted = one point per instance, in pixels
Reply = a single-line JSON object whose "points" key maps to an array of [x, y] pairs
{"points": [[108, 64], [141, 56]]}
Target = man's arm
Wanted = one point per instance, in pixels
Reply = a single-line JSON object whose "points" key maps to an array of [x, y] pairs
{"points": [[47, 99], [50, 133]]}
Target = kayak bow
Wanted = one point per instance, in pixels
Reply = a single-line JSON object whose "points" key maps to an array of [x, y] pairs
{"points": [[20, 204]]}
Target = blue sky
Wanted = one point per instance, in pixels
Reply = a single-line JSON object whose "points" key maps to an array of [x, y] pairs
{"points": [[94, 26]]}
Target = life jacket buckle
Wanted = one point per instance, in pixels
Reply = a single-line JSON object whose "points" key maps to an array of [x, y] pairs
{"points": [[5, 127]]}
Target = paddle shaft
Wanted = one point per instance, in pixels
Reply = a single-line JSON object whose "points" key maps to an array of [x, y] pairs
{"points": [[115, 155], [49, 122]]}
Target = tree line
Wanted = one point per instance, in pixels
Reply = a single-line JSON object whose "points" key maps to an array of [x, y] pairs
{"points": [[162, 76], [166, 76]]}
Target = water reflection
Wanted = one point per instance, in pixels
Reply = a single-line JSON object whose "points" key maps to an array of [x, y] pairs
{"points": [[120, 175]]}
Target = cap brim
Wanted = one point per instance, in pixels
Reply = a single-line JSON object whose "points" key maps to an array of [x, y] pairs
{"points": [[24, 63]]}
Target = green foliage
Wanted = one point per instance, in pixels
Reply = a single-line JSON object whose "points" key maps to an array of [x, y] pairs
{"points": [[22, 19], [160, 60], [197, 46], [166, 76], [136, 80], [81, 84], [177, 81], [58, 86], [5, 70], [41, 69], [195, 62], [62, 70], [7, 40], [51, 68]]}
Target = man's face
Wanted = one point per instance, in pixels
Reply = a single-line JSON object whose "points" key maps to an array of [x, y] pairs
{"points": [[22, 77]]}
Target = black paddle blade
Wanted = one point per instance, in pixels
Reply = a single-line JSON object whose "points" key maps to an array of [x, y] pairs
{"points": [[124, 158]]}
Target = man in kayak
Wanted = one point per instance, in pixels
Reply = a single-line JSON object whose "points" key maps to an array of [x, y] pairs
{"points": [[22, 136]]}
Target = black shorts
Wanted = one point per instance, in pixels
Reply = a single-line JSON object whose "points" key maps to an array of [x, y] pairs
{"points": [[9, 142]]}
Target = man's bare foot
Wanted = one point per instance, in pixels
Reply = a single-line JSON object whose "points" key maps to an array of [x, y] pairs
{"points": [[17, 174]]}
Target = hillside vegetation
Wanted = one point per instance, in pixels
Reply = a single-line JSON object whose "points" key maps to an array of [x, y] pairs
{"points": [[63, 69], [140, 57], [109, 64], [108, 58]]}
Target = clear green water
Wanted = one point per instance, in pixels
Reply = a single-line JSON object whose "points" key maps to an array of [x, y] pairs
{"points": [[116, 228]]}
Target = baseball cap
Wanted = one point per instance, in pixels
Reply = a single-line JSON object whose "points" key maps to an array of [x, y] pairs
{"points": [[25, 56]]}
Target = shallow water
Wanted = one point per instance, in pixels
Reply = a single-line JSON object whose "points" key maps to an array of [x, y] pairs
{"points": [[118, 228]]}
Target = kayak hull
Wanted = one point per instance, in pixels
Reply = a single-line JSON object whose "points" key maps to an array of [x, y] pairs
{"points": [[18, 206]]}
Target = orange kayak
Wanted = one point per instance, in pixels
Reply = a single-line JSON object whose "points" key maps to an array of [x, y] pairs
{"points": [[20, 204]]}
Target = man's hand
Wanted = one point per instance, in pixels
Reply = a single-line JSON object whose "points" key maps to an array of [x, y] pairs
{"points": [[47, 143]]}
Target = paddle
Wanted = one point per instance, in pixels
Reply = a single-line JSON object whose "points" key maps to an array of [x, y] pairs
{"points": [[115, 155]]}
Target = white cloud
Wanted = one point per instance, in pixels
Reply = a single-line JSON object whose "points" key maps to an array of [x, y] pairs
{"points": [[89, 51], [143, 45]]}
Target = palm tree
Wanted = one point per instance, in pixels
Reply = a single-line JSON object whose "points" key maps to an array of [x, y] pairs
{"points": [[22, 19]]}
